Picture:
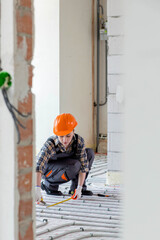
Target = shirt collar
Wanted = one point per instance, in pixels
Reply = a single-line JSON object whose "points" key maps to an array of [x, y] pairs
{"points": [[57, 142], [73, 139]]}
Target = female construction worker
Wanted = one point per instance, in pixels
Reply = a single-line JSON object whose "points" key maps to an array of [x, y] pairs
{"points": [[62, 158]]}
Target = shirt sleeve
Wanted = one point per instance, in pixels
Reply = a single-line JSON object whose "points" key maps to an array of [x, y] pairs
{"points": [[83, 155], [44, 155]]}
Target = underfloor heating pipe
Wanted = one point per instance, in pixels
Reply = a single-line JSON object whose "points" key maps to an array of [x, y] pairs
{"points": [[95, 203], [83, 210], [93, 210], [99, 235], [81, 214], [96, 228], [113, 235], [114, 223], [110, 209], [44, 223]]}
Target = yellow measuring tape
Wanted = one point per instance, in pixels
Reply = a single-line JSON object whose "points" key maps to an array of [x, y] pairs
{"points": [[60, 202], [44, 203], [73, 197]]}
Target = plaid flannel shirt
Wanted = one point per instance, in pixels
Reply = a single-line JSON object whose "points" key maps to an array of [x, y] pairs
{"points": [[48, 150]]}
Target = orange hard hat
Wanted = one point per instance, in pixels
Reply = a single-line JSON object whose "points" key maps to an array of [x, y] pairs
{"points": [[64, 124]]}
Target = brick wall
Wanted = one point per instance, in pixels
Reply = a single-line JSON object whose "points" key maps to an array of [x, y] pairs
{"points": [[23, 77]]}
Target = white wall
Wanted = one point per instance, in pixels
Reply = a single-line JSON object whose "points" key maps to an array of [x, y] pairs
{"points": [[116, 89], [142, 147], [46, 72], [75, 64], [69, 43], [8, 205]]}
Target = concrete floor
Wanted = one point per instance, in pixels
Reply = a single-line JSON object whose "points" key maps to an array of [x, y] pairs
{"points": [[91, 217]]}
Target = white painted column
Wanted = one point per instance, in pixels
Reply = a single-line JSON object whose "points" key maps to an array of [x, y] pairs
{"points": [[116, 90], [142, 122], [75, 64], [8, 208], [46, 72]]}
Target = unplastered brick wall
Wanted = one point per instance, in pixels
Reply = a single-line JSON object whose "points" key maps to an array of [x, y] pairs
{"points": [[115, 85], [23, 84]]}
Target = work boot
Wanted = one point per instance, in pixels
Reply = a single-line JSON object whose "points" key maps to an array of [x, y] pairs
{"points": [[87, 192], [71, 192], [84, 192], [49, 191]]}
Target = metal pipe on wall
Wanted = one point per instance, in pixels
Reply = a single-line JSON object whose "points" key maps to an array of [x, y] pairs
{"points": [[106, 69], [106, 76], [93, 56], [98, 39], [98, 104]]}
